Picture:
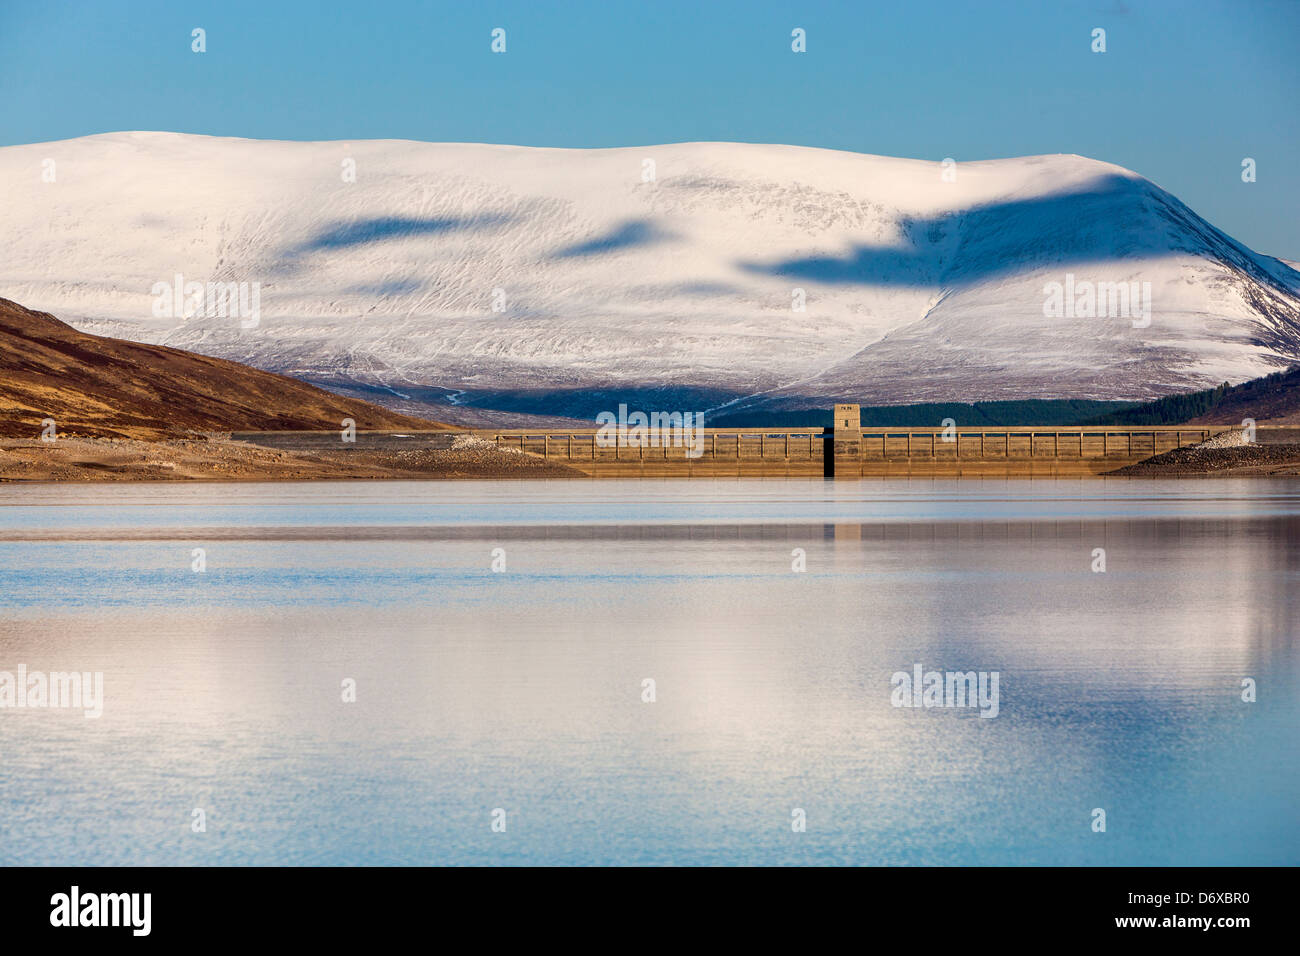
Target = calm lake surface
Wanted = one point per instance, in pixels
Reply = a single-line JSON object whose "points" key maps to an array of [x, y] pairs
{"points": [[522, 689]]}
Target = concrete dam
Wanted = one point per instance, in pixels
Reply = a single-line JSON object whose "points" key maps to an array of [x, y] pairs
{"points": [[845, 450]]}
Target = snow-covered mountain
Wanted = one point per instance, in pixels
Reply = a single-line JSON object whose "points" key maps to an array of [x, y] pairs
{"points": [[564, 281]]}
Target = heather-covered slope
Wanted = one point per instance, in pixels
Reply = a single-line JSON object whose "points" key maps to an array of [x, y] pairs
{"points": [[1273, 400], [95, 386], [1269, 400]]}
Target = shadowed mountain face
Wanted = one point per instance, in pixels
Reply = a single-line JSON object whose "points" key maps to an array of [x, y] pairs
{"points": [[93, 386], [501, 281], [1112, 218]]}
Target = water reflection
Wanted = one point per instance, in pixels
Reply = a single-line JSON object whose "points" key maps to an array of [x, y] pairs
{"points": [[523, 689]]}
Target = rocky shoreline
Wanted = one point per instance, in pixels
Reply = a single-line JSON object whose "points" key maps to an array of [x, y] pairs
{"points": [[1238, 461], [100, 459]]}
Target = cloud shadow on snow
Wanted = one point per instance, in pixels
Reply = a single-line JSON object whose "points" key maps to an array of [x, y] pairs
{"points": [[382, 228], [1114, 218], [635, 232], [361, 232]]}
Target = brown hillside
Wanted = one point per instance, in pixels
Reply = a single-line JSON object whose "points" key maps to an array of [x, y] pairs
{"points": [[96, 386], [1273, 399]]}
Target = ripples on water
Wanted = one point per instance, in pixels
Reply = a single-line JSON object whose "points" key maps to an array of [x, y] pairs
{"points": [[523, 690]]}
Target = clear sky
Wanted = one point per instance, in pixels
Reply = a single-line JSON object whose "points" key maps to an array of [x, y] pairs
{"points": [[1184, 91]]}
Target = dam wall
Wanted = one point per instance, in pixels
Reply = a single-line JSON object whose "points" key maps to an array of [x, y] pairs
{"points": [[841, 451], [845, 452]]}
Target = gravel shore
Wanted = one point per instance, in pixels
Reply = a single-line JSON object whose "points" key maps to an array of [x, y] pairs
{"points": [[1223, 460], [98, 459]]}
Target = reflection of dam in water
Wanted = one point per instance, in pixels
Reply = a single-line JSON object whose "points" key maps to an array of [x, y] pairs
{"points": [[1120, 689]]}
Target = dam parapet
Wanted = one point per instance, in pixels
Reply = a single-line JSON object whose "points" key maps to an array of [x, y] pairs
{"points": [[847, 450]]}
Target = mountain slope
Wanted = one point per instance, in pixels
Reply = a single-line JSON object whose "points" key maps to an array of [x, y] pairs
{"points": [[566, 281], [1273, 400], [103, 387]]}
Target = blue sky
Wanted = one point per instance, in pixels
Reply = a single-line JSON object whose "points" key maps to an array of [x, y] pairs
{"points": [[1184, 92]]}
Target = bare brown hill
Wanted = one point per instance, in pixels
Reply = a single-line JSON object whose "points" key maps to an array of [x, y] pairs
{"points": [[103, 387], [1269, 400], [1274, 399]]}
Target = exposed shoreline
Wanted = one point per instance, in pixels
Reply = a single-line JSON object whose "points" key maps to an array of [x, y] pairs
{"points": [[1198, 461], [75, 459], [100, 460]]}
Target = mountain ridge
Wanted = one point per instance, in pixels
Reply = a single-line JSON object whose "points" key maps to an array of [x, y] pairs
{"points": [[675, 282]]}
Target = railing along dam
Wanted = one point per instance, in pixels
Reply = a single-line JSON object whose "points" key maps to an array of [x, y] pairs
{"points": [[853, 452]]}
